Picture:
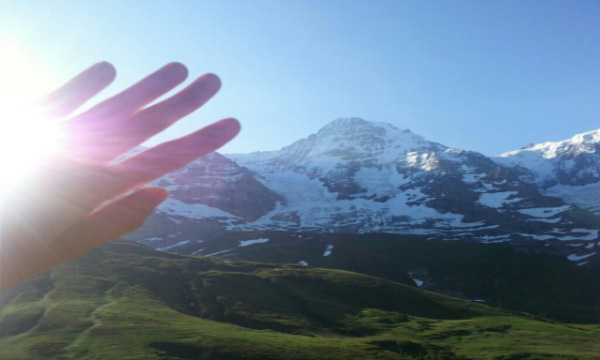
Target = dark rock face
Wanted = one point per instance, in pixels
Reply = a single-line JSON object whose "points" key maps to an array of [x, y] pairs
{"points": [[220, 183], [205, 197]]}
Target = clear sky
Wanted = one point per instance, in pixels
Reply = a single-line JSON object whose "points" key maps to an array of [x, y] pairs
{"points": [[489, 76]]}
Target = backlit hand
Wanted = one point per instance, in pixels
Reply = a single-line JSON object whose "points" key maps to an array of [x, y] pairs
{"points": [[67, 206]]}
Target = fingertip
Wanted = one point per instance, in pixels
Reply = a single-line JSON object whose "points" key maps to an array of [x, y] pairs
{"points": [[219, 133], [233, 125], [213, 80], [106, 70], [177, 69]]}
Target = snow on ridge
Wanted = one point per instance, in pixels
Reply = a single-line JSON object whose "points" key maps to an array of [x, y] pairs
{"points": [[254, 241], [543, 162], [580, 143]]}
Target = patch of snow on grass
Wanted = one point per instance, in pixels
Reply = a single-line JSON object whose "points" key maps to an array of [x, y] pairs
{"points": [[255, 241], [590, 235], [152, 239], [492, 238], [172, 246], [418, 282], [552, 221], [579, 257], [219, 252], [538, 237], [302, 262], [328, 250]]}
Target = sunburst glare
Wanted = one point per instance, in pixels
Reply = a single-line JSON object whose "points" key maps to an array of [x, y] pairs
{"points": [[27, 136]]}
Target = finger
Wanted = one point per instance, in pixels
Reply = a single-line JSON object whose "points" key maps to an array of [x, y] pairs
{"points": [[131, 132], [172, 155], [109, 223], [135, 97], [78, 90], [109, 182]]}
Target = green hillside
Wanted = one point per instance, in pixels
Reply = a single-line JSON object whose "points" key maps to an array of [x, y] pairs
{"points": [[529, 278], [126, 301]]}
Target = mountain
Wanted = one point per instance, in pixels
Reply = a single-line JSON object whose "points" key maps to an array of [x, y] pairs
{"points": [[205, 197], [569, 169], [127, 301], [356, 176]]}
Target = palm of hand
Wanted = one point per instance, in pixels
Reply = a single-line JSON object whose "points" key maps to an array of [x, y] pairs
{"points": [[67, 206]]}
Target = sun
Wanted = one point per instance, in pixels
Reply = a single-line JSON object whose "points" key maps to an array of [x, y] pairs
{"points": [[27, 135]]}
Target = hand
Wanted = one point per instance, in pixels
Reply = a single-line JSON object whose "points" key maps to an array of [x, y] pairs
{"points": [[73, 202]]}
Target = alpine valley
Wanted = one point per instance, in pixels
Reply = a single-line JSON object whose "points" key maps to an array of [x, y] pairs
{"points": [[360, 241], [360, 177]]}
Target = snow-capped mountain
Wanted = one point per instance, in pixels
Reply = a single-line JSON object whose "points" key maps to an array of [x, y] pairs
{"points": [[569, 169], [356, 176]]}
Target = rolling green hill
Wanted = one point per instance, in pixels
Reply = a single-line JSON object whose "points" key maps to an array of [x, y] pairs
{"points": [[529, 278], [127, 301]]}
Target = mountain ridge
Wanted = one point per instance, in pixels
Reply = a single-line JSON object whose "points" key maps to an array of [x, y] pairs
{"points": [[569, 169], [357, 176]]}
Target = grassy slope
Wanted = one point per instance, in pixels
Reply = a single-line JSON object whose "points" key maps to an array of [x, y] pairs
{"points": [[523, 278], [125, 301]]}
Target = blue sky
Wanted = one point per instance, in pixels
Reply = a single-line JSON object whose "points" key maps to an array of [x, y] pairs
{"points": [[489, 76]]}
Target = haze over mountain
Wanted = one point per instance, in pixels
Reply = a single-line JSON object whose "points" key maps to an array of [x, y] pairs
{"points": [[357, 176]]}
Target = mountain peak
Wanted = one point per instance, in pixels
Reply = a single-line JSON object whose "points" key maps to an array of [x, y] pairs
{"points": [[573, 162], [354, 131], [356, 125], [348, 139], [581, 143]]}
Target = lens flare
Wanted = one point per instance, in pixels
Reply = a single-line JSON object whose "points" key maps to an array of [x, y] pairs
{"points": [[27, 135]]}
